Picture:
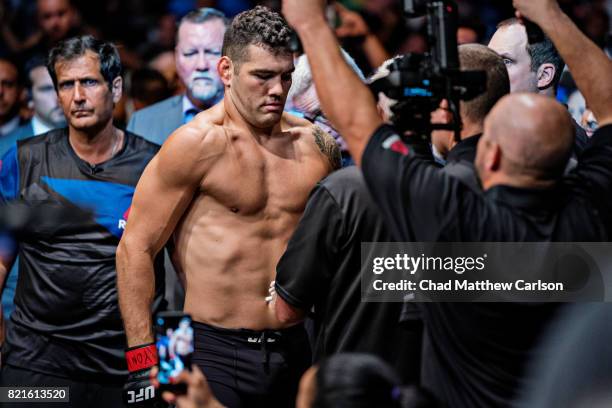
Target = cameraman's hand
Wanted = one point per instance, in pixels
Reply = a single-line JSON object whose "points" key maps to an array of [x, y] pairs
{"points": [[199, 394], [300, 13], [443, 140], [538, 11], [442, 115], [351, 23]]}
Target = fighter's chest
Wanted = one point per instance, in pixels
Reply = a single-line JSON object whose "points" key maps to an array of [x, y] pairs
{"points": [[263, 182]]}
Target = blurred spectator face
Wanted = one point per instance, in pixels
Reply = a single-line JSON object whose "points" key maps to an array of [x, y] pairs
{"points": [[466, 35], [9, 91], [55, 18], [148, 86], [198, 51], [166, 30], [85, 96], [44, 98], [165, 64], [511, 43]]}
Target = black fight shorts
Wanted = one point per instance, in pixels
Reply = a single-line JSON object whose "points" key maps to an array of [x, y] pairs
{"points": [[250, 369]]}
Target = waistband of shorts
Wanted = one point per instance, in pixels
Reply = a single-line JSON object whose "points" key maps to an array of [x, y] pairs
{"points": [[247, 334]]}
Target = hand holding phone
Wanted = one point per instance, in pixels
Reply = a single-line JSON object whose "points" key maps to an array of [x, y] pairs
{"points": [[198, 393], [174, 342]]}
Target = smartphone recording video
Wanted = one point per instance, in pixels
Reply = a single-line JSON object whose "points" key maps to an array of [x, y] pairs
{"points": [[174, 347]]}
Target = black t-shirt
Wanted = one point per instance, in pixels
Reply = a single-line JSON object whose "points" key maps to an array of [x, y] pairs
{"points": [[476, 353], [460, 162], [322, 267], [465, 149], [66, 320]]}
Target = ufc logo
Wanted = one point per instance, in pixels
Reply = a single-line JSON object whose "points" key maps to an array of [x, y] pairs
{"points": [[143, 394]]}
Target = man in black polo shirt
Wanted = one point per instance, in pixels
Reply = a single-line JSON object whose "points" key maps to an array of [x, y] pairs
{"points": [[322, 268], [480, 351], [66, 329]]}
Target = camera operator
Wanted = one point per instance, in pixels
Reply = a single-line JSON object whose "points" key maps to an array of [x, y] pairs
{"points": [[479, 351], [460, 155]]}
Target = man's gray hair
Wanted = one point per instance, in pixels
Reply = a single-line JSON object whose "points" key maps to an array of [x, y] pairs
{"points": [[302, 76], [203, 15]]}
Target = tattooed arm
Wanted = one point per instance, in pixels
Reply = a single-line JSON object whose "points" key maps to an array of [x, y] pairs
{"points": [[324, 142], [328, 146]]}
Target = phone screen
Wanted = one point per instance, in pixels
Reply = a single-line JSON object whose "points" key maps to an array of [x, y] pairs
{"points": [[174, 347]]}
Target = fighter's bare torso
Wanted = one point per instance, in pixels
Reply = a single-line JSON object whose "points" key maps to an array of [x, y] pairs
{"points": [[248, 202]]}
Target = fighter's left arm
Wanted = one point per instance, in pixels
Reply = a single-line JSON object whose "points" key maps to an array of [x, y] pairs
{"points": [[324, 143], [328, 147]]}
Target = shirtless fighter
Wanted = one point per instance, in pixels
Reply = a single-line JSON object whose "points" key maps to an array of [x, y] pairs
{"points": [[181, 340], [230, 186]]}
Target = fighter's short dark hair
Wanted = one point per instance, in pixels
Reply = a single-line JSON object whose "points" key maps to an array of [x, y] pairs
{"points": [[75, 47], [258, 26], [543, 52]]}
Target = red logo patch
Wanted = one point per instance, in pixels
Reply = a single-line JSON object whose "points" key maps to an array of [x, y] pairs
{"points": [[400, 147], [126, 214], [395, 143]]}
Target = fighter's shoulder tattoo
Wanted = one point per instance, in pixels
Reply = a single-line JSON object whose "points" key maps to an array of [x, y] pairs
{"points": [[328, 146]]}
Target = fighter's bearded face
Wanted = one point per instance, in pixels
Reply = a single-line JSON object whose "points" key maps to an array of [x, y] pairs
{"points": [[259, 85]]}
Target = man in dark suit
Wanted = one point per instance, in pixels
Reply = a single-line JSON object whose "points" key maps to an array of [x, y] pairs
{"points": [[198, 49], [48, 113]]}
